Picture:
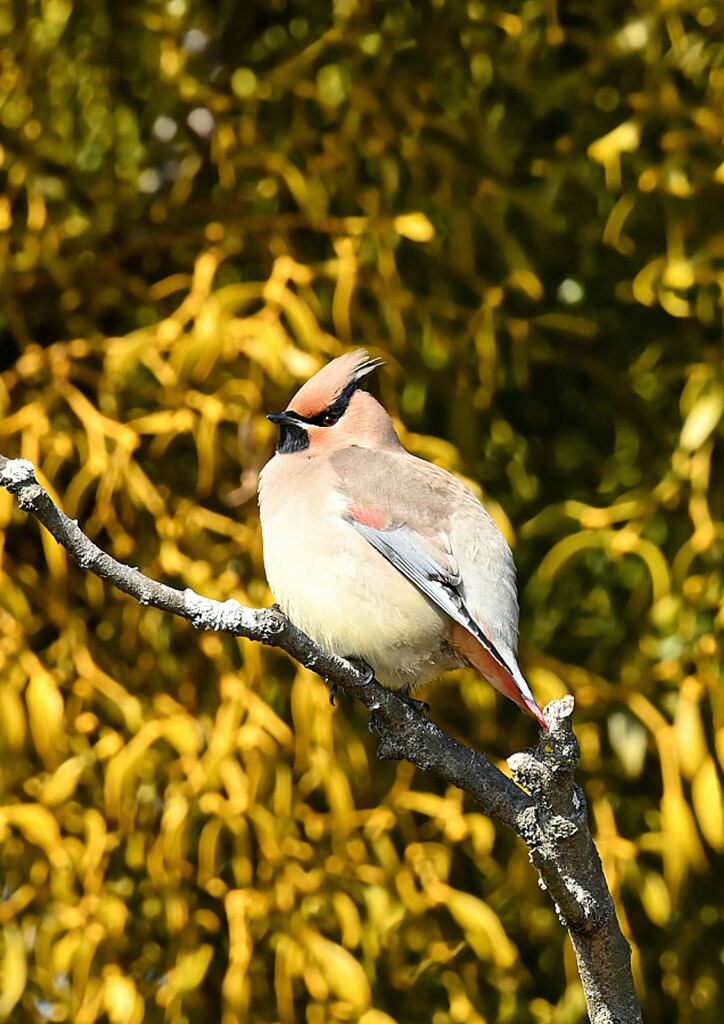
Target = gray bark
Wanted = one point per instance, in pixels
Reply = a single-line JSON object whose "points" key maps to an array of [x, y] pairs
{"points": [[543, 805]]}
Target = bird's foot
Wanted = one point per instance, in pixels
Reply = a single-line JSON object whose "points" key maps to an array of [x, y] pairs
{"points": [[418, 705], [361, 665], [357, 663]]}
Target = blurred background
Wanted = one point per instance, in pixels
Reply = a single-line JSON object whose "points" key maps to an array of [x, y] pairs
{"points": [[519, 206]]}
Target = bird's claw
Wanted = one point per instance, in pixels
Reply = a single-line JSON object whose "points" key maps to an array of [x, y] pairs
{"points": [[333, 687], [418, 705], [361, 665]]}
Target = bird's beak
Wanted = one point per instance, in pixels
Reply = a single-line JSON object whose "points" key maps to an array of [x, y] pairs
{"points": [[282, 419]]}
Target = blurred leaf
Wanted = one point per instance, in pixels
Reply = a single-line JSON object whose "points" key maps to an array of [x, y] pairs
{"points": [[519, 209], [709, 804], [702, 420], [14, 969], [414, 226]]}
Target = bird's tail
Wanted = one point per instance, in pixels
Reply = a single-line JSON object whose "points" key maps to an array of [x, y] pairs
{"points": [[507, 679]]}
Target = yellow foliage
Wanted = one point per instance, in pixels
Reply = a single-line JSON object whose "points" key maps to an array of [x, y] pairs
{"points": [[340, 969], [518, 211], [482, 927], [45, 713], [121, 1000], [706, 792], [702, 419], [414, 226], [13, 970]]}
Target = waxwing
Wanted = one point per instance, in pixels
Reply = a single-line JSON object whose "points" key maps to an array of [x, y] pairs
{"points": [[378, 555]]}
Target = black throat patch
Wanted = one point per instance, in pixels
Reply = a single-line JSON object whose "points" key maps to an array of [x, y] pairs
{"points": [[292, 438]]}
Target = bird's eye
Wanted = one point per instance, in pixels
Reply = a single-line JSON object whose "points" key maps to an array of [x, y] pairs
{"points": [[329, 419]]}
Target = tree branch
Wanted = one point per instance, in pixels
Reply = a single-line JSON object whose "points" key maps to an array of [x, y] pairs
{"points": [[549, 813]]}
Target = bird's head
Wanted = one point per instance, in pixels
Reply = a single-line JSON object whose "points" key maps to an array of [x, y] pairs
{"points": [[329, 412]]}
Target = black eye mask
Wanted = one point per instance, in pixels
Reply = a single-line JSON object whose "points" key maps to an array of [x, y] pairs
{"points": [[293, 436], [329, 416]]}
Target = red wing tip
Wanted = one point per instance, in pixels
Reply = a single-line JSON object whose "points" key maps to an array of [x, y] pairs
{"points": [[367, 517]]}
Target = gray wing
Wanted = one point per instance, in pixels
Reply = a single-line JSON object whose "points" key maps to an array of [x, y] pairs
{"points": [[442, 586]]}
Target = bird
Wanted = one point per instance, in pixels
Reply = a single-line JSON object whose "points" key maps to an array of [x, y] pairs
{"points": [[379, 556]]}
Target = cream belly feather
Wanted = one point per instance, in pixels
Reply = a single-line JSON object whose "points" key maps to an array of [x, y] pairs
{"points": [[343, 593]]}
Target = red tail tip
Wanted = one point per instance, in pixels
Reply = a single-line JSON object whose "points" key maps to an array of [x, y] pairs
{"points": [[538, 715]]}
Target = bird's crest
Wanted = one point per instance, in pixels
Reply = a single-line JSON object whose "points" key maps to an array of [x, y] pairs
{"points": [[338, 379]]}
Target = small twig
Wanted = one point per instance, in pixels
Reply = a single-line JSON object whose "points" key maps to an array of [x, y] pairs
{"points": [[549, 813]]}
